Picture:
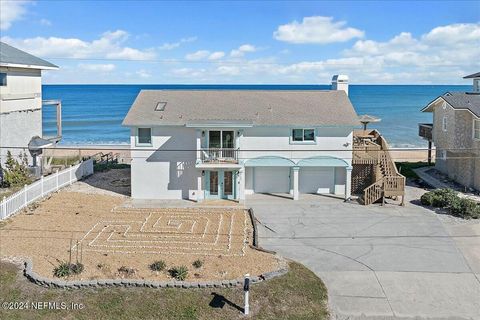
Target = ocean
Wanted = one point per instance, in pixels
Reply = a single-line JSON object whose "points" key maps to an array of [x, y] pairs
{"points": [[92, 114]]}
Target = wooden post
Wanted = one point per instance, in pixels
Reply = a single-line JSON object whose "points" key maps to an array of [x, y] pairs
{"points": [[25, 195], [4, 207], [429, 152], [41, 185], [56, 178]]}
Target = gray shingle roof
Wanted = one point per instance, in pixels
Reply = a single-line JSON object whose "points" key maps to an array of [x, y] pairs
{"points": [[260, 107], [473, 75], [11, 55], [459, 101], [464, 100]]}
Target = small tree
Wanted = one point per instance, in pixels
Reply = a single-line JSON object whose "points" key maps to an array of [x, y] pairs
{"points": [[16, 172]]}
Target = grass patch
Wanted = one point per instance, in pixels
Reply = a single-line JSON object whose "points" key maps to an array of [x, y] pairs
{"points": [[67, 161], [297, 295], [406, 168], [100, 167]]}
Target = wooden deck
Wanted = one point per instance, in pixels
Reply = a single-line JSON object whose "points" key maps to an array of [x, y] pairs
{"points": [[375, 175]]}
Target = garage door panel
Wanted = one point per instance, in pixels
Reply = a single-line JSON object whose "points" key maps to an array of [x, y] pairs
{"points": [[316, 180], [272, 179]]}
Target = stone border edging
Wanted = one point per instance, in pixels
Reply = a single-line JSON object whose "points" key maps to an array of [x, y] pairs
{"points": [[102, 283], [254, 224]]}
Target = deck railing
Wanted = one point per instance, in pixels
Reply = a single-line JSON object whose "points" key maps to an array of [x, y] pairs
{"points": [[40, 188], [425, 130], [219, 155]]}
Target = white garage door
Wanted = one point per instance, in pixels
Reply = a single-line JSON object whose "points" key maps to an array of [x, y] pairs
{"points": [[272, 179], [316, 180]]}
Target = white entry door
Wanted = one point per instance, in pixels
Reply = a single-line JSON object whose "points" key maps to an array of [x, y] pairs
{"points": [[272, 179], [317, 180]]}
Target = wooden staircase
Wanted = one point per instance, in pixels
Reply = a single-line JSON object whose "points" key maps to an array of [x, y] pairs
{"points": [[371, 149]]}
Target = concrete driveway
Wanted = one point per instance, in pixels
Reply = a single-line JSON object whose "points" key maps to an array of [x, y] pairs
{"points": [[378, 262]]}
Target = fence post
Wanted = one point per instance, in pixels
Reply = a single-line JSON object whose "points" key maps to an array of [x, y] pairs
{"points": [[4, 208], [41, 184], [56, 178], [25, 195], [70, 174]]}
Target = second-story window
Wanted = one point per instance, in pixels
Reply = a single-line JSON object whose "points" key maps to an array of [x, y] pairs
{"points": [[144, 136], [444, 123], [476, 129], [303, 135], [3, 79]]}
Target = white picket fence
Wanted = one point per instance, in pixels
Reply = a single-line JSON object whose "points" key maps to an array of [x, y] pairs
{"points": [[43, 187]]}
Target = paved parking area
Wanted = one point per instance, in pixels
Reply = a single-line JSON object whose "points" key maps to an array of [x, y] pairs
{"points": [[378, 262]]}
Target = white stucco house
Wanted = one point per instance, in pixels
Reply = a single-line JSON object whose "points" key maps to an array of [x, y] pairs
{"points": [[228, 144], [21, 104]]}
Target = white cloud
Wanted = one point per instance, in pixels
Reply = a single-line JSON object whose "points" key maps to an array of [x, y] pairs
{"points": [[198, 55], [45, 22], [174, 45], [316, 29], [107, 67], [111, 45], [144, 74], [11, 11], [240, 51], [216, 55]]}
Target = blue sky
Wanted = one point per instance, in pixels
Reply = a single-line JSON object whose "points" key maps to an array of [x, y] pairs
{"points": [[248, 42]]}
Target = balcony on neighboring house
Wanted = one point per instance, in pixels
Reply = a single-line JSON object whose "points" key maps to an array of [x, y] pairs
{"points": [[425, 131]]}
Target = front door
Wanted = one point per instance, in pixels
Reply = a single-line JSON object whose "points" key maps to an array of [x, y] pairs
{"points": [[220, 184]]}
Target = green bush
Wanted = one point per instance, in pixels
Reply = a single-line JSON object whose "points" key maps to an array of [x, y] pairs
{"points": [[15, 173], [449, 199], [465, 208], [158, 265], [65, 269], [179, 273], [197, 263]]}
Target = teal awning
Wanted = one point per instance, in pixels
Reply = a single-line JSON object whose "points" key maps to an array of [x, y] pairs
{"points": [[324, 161], [270, 161]]}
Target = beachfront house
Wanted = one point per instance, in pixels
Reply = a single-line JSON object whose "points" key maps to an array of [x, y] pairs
{"points": [[455, 132], [21, 104], [229, 144]]}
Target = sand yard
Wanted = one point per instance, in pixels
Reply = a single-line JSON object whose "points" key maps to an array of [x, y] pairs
{"points": [[105, 236]]}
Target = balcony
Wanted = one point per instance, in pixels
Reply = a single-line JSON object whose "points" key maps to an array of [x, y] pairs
{"points": [[219, 156], [425, 131]]}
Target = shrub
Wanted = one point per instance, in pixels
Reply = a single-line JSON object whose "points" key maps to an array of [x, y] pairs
{"points": [[179, 273], [66, 269], [449, 199], [197, 263], [63, 270], [15, 173], [158, 265], [100, 167], [427, 198], [126, 270], [465, 208], [444, 198]]}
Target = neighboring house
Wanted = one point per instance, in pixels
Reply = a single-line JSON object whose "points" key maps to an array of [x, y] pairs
{"points": [[455, 132], [21, 103], [211, 144]]}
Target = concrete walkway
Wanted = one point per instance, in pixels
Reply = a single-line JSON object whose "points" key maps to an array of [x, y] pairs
{"points": [[387, 262]]}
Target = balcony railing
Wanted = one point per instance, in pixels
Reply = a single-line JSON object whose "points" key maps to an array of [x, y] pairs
{"points": [[219, 155], [425, 130]]}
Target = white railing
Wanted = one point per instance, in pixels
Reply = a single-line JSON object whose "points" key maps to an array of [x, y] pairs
{"points": [[44, 186]]}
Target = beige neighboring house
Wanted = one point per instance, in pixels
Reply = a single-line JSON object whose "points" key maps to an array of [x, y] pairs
{"points": [[455, 132], [21, 105]]}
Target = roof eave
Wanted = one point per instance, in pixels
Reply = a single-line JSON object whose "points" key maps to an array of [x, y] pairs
{"points": [[28, 66]]}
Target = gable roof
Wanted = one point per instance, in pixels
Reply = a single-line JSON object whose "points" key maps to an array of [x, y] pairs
{"points": [[13, 57], [459, 101], [258, 107], [473, 75]]}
